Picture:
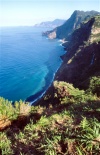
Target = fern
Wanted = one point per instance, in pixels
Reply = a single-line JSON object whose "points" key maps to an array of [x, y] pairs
{"points": [[84, 123]]}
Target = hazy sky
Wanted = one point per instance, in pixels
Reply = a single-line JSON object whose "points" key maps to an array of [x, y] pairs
{"points": [[29, 12]]}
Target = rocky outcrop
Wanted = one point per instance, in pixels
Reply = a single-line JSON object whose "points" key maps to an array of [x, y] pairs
{"points": [[52, 35]]}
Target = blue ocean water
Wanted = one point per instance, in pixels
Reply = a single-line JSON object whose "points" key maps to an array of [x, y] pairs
{"points": [[28, 62]]}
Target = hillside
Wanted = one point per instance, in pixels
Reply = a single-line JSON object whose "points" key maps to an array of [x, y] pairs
{"points": [[51, 24], [63, 31], [70, 125]]}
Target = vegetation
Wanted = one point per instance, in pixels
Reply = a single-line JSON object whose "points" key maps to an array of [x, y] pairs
{"points": [[95, 34], [10, 112], [95, 85], [70, 127]]}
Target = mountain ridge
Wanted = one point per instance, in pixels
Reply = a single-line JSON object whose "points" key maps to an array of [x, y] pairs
{"points": [[63, 31], [51, 24]]}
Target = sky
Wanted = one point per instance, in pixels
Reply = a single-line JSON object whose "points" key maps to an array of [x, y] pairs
{"points": [[30, 12]]}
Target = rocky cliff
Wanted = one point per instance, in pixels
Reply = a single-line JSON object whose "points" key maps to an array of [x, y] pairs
{"points": [[64, 31], [83, 54], [82, 59]]}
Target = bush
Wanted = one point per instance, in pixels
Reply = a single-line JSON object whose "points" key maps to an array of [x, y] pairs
{"points": [[94, 86], [8, 112]]}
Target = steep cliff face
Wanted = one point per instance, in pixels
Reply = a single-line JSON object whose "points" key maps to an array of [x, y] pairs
{"points": [[82, 59], [70, 25]]}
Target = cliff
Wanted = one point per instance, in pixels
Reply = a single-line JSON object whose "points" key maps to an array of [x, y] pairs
{"points": [[63, 31], [81, 60]]}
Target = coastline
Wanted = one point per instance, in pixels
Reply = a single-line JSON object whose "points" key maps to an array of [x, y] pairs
{"points": [[32, 103], [41, 92]]}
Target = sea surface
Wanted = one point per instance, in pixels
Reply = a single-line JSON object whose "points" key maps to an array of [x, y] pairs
{"points": [[28, 62]]}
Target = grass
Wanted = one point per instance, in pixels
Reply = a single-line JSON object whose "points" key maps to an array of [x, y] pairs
{"points": [[70, 127]]}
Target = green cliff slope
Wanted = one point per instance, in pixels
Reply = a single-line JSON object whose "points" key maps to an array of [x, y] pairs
{"points": [[81, 60], [70, 127]]}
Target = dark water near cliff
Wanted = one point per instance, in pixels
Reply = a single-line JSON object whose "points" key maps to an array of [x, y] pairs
{"points": [[28, 62]]}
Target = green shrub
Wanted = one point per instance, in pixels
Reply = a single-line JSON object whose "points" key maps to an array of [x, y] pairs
{"points": [[5, 145], [94, 86], [10, 112]]}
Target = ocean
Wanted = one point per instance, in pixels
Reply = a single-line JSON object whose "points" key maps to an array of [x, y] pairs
{"points": [[28, 62]]}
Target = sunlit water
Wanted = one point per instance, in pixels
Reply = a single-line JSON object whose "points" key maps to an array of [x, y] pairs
{"points": [[28, 62]]}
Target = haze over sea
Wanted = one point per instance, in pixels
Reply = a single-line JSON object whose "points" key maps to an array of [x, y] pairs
{"points": [[28, 62]]}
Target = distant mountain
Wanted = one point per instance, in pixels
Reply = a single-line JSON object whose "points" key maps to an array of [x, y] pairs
{"points": [[51, 24], [65, 30]]}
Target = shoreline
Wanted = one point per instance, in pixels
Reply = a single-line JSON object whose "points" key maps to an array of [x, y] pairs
{"points": [[34, 102]]}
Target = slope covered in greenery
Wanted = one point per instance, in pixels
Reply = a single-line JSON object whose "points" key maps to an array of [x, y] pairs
{"points": [[70, 127]]}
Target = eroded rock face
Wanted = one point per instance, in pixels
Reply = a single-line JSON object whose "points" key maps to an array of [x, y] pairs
{"points": [[52, 35]]}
